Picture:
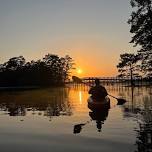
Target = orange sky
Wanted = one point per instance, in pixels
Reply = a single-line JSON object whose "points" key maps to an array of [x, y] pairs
{"points": [[94, 33]]}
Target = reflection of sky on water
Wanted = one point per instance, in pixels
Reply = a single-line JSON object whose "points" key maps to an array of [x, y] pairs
{"points": [[48, 114]]}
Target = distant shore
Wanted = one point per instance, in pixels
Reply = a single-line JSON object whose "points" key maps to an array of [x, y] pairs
{"points": [[18, 88], [23, 88]]}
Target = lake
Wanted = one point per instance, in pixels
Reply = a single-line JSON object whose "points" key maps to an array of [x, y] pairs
{"points": [[43, 120]]}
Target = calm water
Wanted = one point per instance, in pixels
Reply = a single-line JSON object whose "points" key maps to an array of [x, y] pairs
{"points": [[44, 120]]}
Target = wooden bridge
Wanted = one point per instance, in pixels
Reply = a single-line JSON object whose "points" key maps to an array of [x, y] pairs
{"points": [[110, 79], [138, 81], [105, 79]]}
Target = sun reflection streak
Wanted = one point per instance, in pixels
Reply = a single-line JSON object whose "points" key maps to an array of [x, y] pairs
{"points": [[80, 97]]}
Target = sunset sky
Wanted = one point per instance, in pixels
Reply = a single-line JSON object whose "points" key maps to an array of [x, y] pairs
{"points": [[92, 32]]}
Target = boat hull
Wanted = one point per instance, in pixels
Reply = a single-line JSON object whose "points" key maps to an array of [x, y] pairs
{"points": [[98, 105]]}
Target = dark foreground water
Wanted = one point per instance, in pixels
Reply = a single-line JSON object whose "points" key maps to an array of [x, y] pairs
{"points": [[43, 120]]}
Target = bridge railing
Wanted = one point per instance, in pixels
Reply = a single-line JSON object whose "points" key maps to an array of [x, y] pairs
{"points": [[111, 79]]}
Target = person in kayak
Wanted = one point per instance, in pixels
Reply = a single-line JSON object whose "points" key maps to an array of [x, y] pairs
{"points": [[98, 92]]}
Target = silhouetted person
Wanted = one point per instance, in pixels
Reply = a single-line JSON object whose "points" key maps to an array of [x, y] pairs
{"points": [[98, 92]]}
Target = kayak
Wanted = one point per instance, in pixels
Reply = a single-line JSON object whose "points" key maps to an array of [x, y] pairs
{"points": [[103, 104]]}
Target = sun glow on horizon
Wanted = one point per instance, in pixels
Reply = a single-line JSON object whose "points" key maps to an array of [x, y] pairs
{"points": [[79, 71]]}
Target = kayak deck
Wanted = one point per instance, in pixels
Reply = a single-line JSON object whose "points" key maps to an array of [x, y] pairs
{"points": [[98, 105]]}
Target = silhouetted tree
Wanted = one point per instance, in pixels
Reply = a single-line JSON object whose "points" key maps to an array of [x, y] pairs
{"points": [[51, 70], [146, 63], [14, 63], [2, 67], [128, 64], [67, 64], [141, 27], [53, 62]]}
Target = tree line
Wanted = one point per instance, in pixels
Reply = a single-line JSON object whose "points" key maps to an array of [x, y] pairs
{"points": [[52, 70], [139, 63]]}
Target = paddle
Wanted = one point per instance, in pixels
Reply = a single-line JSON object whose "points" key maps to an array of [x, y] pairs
{"points": [[120, 100], [77, 128]]}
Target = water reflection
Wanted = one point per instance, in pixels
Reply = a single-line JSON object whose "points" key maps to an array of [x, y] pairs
{"points": [[99, 117], [52, 102], [78, 127], [140, 108], [122, 126], [80, 97]]}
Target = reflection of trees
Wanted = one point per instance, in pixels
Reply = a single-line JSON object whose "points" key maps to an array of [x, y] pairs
{"points": [[59, 106], [140, 108], [55, 104], [13, 109], [144, 137]]}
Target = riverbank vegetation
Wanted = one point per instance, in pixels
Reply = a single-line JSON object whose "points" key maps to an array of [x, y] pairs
{"points": [[52, 70]]}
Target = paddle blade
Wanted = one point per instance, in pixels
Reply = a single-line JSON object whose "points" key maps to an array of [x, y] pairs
{"points": [[121, 101], [77, 128]]}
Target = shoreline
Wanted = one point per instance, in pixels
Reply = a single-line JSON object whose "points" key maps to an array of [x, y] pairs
{"points": [[18, 88]]}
